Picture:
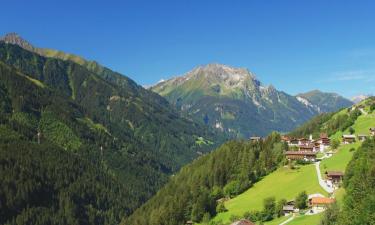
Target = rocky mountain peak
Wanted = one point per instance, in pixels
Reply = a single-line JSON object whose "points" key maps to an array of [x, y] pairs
{"points": [[15, 39]]}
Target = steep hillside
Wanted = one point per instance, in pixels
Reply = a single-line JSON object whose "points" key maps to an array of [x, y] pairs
{"points": [[192, 193], [220, 187], [131, 133], [324, 102], [233, 101]]}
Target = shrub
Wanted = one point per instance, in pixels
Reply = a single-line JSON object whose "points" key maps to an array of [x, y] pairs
{"points": [[301, 200]]}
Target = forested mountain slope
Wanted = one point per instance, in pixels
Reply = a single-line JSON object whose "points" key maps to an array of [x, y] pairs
{"points": [[193, 192], [236, 167], [110, 124]]}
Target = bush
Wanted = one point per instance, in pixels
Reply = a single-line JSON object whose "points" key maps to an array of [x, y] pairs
{"points": [[233, 188], [269, 208], [301, 200], [221, 208], [335, 144]]}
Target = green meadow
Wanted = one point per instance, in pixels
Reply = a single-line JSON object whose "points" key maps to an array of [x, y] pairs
{"points": [[282, 183]]}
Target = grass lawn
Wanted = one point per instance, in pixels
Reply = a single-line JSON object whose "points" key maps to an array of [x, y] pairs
{"points": [[277, 221], [306, 220], [364, 123], [282, 183], [339, 160]]}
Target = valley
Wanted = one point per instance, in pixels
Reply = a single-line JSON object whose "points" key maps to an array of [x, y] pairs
{"points": [[211, 147]]}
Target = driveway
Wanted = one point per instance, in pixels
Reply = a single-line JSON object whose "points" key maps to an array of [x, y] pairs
{"points": [[320, 179]]}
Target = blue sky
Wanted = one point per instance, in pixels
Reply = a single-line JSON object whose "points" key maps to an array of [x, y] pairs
{"points": [[294, 45]]}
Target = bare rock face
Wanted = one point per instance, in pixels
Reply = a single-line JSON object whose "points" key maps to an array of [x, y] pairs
{"points": [[15, 39]]}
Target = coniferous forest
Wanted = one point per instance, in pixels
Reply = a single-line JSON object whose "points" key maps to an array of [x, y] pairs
{"points": [[84, 147], [192, 194]]}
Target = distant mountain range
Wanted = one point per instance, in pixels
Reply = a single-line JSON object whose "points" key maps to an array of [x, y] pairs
{"points": [[235, 102], [324, 102], [359, 98]]}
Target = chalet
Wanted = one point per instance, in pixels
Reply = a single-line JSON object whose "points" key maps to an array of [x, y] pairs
{"points": [[242, 222], [301, 155], [255, 139], [316, 145], [291, 141], [324, 141], [372, 131], [334, 177], [303, 141], [348, 138], [285, 139], [288, 209], [320, 203], [189, 222], [362, 137], [307, 147]]}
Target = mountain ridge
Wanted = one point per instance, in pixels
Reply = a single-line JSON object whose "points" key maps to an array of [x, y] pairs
{"points": [[234, 98]]}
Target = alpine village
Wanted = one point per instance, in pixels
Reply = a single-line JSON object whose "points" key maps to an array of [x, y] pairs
{"points": [[218, 144]]}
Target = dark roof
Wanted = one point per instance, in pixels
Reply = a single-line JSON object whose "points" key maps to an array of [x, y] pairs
{"points": [[255, 138], [351, 136], [334, 173], [288, 208], [243, 222], [300, 153], [306, 146]]}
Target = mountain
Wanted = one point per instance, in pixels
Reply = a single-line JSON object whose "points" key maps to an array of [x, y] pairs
{"points": [[234, 101], [359, 98], [122, 139], [324, 102], [236, 180]]}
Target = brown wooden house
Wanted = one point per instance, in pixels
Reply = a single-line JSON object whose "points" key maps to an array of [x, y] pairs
{"points": [[307, 147], [362, 137], [372, 131], [301, 155], [255, 139], [348, 138], [335, 176]]}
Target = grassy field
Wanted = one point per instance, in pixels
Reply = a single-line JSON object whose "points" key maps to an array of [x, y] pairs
{"points": [[306, 220], [283, 183], [339, 160]]}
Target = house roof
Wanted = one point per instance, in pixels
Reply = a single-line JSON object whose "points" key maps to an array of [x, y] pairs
{"points": [[255, 138], [348, 136], [242, 222], [288, 208], [323, 135], [322, 200], [300, 153], [285, 138], [334, 173], [372, 129], [362, 135], [306, 146]]}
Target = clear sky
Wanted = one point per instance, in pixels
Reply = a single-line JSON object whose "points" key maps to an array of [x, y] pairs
{"points": [[293, 44]]}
